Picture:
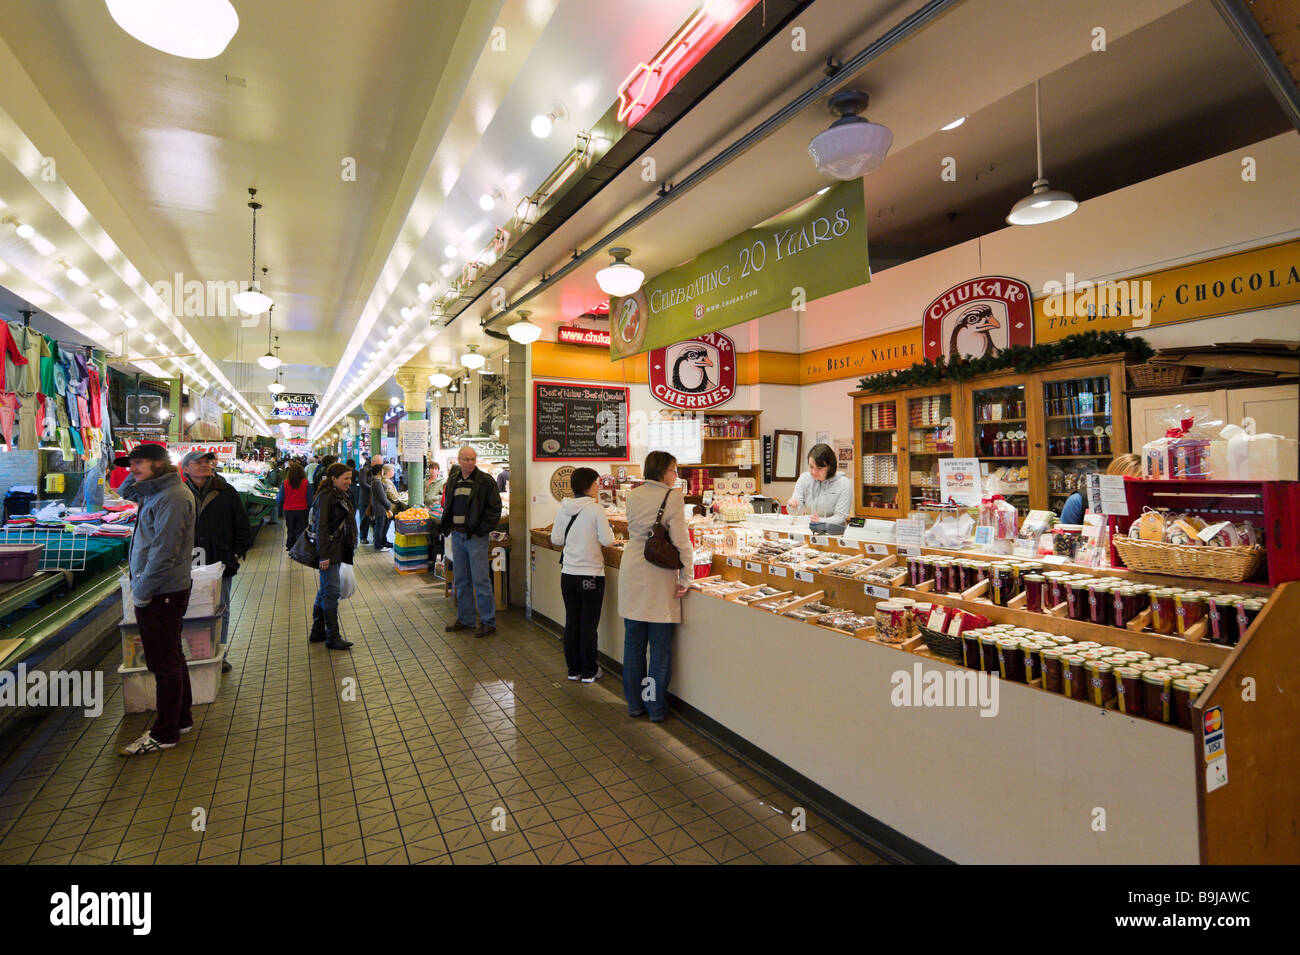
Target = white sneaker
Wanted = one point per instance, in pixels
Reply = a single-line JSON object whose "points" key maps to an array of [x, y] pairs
{"points": [[575, 679], [145, 744], [593, 679]]}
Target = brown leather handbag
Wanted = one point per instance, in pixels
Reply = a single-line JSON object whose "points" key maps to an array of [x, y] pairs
{"points": [[659, 548]]}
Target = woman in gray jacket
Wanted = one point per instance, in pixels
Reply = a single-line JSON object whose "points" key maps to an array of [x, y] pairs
{"points": [[650, 597], [582, 528]]}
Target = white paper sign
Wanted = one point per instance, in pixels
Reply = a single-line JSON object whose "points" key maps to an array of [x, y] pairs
{"points": [[225, 451], [876, 548], [733, 561], [871, 590], [983, 536], [959, 480], [414, 439], [818, 540], [753, 566], [775, 571], [910, 535], [1110, 489], [804, 576]]}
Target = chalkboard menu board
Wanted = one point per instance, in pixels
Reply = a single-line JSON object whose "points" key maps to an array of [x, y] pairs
{"points": [[579, 422]]}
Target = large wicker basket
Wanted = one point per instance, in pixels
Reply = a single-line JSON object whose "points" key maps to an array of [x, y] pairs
{"points": [[541, 536], [1190, 560], [1154, 375]]}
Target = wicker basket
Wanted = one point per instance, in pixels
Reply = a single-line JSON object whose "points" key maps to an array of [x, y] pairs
{"points": [[541, 536], [1154, 375], [1184, 560], [942, 644]]}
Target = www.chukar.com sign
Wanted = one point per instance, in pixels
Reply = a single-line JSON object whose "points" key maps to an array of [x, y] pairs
{"points": [[695, 374]]}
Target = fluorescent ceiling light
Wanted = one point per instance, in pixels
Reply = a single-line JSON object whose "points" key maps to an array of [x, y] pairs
{"points": [[194, 29]]}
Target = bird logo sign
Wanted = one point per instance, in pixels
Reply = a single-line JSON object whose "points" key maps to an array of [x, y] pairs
{"points": [[979, 319], [694, 374]]}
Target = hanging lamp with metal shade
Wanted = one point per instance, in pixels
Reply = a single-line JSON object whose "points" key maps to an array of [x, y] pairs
{"points": [[252, 301], [1044, 204], [524, 332], [620, 278]]}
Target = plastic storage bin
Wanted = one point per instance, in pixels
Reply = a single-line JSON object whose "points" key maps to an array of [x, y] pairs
{"points": [[205, 593], [140, 691], [19, 561], [410, 540], [200, 640], [412, 527]]}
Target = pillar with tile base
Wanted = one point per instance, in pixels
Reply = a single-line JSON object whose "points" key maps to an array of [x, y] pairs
{"points": [[517, 414], [375, 410], [414, 389]]}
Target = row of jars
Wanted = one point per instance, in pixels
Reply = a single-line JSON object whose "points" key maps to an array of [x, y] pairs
{"points": [[1111, 601], [1158, 688], [954, 575]]}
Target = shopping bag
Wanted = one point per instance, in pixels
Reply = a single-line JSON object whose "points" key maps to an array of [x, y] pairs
{"points": [[347, 582], [304, 550]]}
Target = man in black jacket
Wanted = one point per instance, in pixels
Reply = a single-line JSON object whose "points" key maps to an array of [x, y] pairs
{"points": [[220, 526], [472, 513], [363, 494]]}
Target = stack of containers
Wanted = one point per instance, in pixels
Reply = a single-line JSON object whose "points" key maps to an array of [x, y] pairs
{"points": [[411, 544]]}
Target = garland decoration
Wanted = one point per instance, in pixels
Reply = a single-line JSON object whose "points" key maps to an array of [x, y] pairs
{"points": [[1021, 358]]}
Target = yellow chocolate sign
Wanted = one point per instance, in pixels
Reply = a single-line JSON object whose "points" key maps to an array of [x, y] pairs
{"points": [[1256, 278]]}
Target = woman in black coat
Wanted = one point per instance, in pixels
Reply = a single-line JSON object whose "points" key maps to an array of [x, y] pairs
{"points": [[334, 528]]}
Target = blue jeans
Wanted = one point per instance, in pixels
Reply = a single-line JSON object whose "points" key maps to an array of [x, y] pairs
{"points": [[473, 579], [653, 696], [327, 594], [381, 530], [226, 584]]}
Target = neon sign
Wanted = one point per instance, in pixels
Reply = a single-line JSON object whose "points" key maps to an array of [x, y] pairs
{"points": [[650, 82]]}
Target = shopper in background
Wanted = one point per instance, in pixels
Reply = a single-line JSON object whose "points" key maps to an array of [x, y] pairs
{"points": [[1076, 505], [396, 498], [471, 515], [335, 530], [312, 468], [367, 472], [433, 483], [503, 479], [650, 597], [325, 463], [354, 492], [293, 502], [581, 529], [826, 495], [220, 527], [162, 548], [381, 508]]}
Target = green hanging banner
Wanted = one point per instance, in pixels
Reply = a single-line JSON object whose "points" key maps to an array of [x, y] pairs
{"points": [[815, 249]]}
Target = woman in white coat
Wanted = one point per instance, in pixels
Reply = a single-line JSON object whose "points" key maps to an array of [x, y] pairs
{"points": [[581, 528], [650, 597]]}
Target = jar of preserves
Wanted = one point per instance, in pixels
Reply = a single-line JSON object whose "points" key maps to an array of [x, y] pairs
{"points": [[1101, 682], [970, 648], [892, 620], [1099, 608], [1032, 653], [1247, 611], [1156, 688], [1074, 676], [1222, 613], [1076, 598], [1011, 663], [1165, 661], [952, 581], [1182, 702], [1128, 690], [989, 652], [1035, 588], [1189, 608], [1164, 616], [1053, 670]]}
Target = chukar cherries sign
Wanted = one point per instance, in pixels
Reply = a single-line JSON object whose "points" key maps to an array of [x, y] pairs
{"points": [[694, 374], [978, 319]]}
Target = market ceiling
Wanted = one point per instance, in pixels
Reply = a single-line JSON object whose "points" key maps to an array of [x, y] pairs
{"points": [[154, 153]]}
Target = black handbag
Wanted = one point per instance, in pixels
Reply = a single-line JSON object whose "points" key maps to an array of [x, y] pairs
{"points": [[659, 548], [303, 550]]}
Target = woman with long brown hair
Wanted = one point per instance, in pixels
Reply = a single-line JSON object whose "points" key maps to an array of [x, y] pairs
{"points": [[335, 531], [293, 502]]}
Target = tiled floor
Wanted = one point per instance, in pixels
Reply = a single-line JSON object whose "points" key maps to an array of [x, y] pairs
{"points": [[416, 747]]}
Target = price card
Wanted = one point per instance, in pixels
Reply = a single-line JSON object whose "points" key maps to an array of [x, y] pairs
{"points": [[803, 576], [776, 571], [818, 540], [959, 480], [846, 543], [871, 590], [733, 561], [876, 549], [754, 566], [910, 535], [983, 536], [1114, 500]]}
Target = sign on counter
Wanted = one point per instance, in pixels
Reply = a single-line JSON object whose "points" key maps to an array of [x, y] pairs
{"points": [[871, 590], [910, 534], [959, 481], [754, 566], [776, 571], [733, 561], [803, 576]]}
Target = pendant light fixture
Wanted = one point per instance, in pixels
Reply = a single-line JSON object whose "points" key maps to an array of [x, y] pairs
{"points": [[194, 29], [251, 301], [619, 278], [269, 361], [472, 359], [852, 146], [440, 379], [1044, 204], [523, 331]]}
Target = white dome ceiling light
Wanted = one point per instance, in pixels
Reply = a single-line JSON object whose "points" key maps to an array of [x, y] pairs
{"points": [[439, 379], [269, 361], [619, 278], [852, 146], [472, 359], [251, 301], [194, 29], [524, 332], [543, 123], [1044, 204]]}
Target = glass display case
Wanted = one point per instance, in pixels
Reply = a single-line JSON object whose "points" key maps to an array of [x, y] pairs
{"points": [[877, 484], [1000, 428], [1078, 432], [931, 435]]}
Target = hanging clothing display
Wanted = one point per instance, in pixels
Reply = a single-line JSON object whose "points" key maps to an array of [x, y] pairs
{"points": [[49, 361], [10, 370]]}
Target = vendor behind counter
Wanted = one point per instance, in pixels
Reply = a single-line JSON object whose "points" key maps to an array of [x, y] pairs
{"points": [[825, 494], [1126, 465]]}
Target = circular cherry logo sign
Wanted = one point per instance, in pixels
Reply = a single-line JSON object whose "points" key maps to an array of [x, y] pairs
{"points": [[694, 374]]}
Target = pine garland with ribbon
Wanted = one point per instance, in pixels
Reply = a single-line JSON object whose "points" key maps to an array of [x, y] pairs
{"points": [[1020, 358]]}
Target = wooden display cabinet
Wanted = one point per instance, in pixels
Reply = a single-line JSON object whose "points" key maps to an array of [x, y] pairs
{"points": [[1039, 429], [717, 447]]}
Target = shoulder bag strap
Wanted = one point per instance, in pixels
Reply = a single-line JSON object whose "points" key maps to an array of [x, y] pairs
{"points": [[660, 515], [567, 528]]}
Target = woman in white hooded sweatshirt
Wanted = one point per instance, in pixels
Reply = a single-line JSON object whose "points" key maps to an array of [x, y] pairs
{"points": [[581, 528]]}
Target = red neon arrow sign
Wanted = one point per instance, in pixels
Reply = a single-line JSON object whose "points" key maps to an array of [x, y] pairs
{"points": [[649, 82]]}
